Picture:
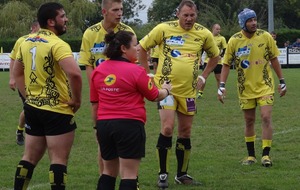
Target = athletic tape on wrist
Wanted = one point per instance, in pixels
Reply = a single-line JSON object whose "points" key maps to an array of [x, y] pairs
{"points": [[202, 78]]}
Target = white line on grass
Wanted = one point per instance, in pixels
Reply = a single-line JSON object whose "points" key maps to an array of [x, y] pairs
{"points": [[34, 186], [286, 131], [283, 132]]}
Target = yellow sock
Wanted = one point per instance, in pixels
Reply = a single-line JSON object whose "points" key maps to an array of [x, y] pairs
{"points": [[250, 139], [266, 143], [20, 128]]}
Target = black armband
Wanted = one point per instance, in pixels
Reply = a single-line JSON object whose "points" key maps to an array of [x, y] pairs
{"points": [[281, 81]]}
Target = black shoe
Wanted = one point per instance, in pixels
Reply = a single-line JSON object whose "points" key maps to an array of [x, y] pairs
{"points": [[186, 180], [20, 138], [162, 182]]}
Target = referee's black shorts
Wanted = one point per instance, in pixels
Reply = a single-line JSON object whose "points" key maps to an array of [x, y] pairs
{"points": [[124, 138]]}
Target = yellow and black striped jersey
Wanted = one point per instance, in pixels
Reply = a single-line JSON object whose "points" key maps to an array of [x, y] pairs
{"points": [[180, 51], [251, 58], [46, 83], [93, 44]]}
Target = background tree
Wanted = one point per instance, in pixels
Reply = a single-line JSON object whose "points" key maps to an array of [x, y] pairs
{"points": [[162, 10], [16, 16], [15, 19], [130, 12], [224, 12]]}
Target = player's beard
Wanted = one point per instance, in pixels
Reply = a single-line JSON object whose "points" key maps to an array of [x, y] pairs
{"points": [[60, 29], [250, 31]]}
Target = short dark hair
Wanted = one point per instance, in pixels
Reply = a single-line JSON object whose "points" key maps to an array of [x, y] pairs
{"points": [[114, 42], [188, 3], [48, 11]]}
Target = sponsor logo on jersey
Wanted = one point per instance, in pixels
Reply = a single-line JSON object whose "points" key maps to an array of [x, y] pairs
{"points": [[175, 53], [245, 64], [243, 51], [150, 84], [98, 48], [27, 127], [99, 61], [175, 40], [37, 39], [110, 80]]}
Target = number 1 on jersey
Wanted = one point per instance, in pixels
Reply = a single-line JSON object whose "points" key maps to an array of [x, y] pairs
{"points": [[33, 55]]}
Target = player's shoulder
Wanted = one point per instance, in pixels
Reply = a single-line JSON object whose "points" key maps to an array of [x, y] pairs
{"points": [[237, 35], [94, 28], [122, 26], [200, 27], [168, 24], [22, 38], [260, 32]]}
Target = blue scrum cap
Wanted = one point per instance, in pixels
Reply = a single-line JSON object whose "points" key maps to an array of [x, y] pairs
{"points": [[244, 15]]}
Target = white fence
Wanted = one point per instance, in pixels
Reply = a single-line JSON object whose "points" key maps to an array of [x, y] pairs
{"points": [[5, 60], [288, 57]]}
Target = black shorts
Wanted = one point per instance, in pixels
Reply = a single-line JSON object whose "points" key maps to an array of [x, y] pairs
{"points": [[47, 123], [124, 138], [217, 69]]}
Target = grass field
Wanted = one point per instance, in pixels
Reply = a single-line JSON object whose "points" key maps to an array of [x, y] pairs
{"points": [[217, 144]]}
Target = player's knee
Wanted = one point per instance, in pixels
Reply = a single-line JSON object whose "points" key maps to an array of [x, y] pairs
{"points": [[167, 131]]}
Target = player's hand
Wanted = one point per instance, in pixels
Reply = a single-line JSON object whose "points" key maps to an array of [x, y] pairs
{"points": [[221, 92], [168, 86], [75, 105], [12, 84], [282, 87], [201, 82]]}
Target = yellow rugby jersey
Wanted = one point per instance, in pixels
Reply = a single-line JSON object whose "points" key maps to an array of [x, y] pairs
{"points": [[221, 43], [155, 52], [13, 54], [47, 86], [93, 45], [251, 58], [180, 51]]}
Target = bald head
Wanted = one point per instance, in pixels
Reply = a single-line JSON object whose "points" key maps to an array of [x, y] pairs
{"points": [[216, 29]]}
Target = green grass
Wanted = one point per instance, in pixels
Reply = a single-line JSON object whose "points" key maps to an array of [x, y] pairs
{"points": [[217, 144]]}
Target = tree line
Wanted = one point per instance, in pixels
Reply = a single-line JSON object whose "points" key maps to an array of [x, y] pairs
{"points": [[16, 16]]}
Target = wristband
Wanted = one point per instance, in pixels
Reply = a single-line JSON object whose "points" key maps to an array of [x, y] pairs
{"points": [[95, 127], [150, 75], [222, 85], [202, 78], [281, 81]]}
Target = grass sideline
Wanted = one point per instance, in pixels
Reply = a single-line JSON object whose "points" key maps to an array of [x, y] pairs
{"points": [[217, 144]]}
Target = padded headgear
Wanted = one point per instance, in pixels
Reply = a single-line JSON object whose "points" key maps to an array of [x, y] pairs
{"points": [[244, 15]]}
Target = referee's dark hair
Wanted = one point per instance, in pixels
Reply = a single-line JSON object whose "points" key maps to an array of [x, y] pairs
{"points": [[114, 42]]}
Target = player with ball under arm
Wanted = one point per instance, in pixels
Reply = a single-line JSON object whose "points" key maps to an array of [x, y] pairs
{"points": [[251, 51]]}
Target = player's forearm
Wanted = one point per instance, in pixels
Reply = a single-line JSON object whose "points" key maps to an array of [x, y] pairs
{"points": [[18, 75], [89, 70], [11, 66], [76, 87], [143, 59], [277, 68], [212, 63], [224, 73]]}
